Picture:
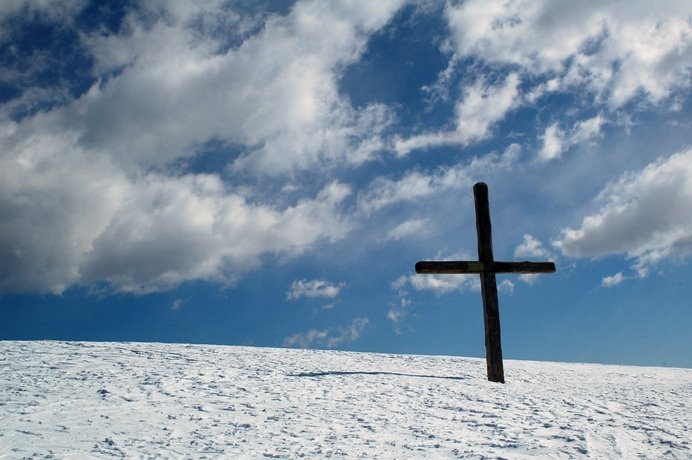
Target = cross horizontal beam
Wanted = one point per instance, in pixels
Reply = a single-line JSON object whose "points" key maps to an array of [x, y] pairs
{"points": [[495, 266]]}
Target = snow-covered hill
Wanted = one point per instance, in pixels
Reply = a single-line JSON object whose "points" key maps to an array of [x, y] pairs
{"points": [[97, 400]]}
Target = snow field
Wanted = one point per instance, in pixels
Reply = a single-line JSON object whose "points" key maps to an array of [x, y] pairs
{"points": [[135, 400]]}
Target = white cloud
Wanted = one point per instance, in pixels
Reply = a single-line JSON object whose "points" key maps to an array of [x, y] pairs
{"points": [[613, 280], [616, 49], [187, 228], [398, 313], [527, 33], [532, 248], [416, 185], [528, 278], [481, 107], [25, 69], [351, 333], [646, 216], [87, 190], [306, 339], [408, 228], [275, 94], [50, 10], [506, 286], [553, 143], [586, 130], [443, 284], [313, 288], [556, 141], [330, 337], [71, 216], [484, 105], [178, 304], [55, 200]]}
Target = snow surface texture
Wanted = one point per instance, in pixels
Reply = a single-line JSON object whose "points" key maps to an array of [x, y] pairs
{"points": [[99, 400]]}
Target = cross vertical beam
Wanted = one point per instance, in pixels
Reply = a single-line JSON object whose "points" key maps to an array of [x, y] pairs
{"points": [[491, 309]]}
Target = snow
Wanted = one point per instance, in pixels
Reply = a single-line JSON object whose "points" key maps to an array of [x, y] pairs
{"points": [[100, 400]]}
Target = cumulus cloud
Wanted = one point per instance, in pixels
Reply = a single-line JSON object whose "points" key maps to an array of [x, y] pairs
{"points": [[187, 228], [481, 106], [89, 190], [532, 248], [165, 85], [398, 312], [275, 93], [313, 288], [613, 280], [646, 217], [586, 130], [506, 286], [54, 200], [330, 337], [553, 143], [407, 228], [178, 304], [556, 141], [41, 74], [305, 339], [617, 50], [53, 9], [442, 284], [417, 185], [74, 217]]}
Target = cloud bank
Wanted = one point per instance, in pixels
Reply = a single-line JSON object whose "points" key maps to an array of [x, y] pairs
{"points": [[645, 216], [89, 187], [96, 182], [617, 50]]}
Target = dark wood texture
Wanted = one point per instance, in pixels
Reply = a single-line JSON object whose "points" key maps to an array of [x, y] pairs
{"points": [[454, 267], [491, 308]]}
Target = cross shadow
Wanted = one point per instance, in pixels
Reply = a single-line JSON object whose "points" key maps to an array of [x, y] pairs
{"points": [[398, 374]]}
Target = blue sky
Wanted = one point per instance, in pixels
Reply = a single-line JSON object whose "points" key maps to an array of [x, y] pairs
{"points": [[268, 173]]}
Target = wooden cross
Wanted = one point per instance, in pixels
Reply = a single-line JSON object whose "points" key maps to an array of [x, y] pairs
{"points": [[486, 266]]}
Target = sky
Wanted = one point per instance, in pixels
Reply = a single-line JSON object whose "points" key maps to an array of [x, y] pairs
{"points": [[268, 173]]}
